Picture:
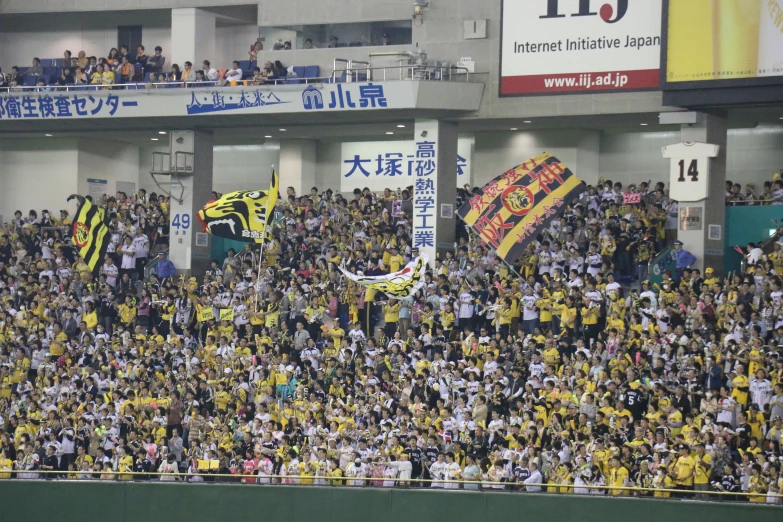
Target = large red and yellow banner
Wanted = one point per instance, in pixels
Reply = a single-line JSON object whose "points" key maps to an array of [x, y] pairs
{"points": [[512, 209]]}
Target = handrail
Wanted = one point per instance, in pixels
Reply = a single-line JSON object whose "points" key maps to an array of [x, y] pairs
{"points": [[150, 267], [764, 246], [399, 482], [148, 86], [654, 259]]}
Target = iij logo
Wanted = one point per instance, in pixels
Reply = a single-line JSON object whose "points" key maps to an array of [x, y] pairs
{"points": [[606, 12]]}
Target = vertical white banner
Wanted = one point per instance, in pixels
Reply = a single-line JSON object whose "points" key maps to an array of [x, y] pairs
{"points": [[425, 188]]}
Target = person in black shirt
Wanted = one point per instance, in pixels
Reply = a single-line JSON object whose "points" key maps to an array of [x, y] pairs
{"points": [[429, 456], [634, 402], [521, 472], [50, 462], [66, 78], [415, 455], [728, 482], [743, 431], [143, 465], [681, 401]]}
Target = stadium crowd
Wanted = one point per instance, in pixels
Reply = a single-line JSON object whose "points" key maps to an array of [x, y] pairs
{"points": [[123, 67], [568, 372]]}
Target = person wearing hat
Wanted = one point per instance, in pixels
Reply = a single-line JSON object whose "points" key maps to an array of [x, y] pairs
{"points": [[683, 470], [683, 259], [64, 221]]}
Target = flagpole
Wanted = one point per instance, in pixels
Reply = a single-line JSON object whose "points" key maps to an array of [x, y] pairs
{"points": [[263, 239]]}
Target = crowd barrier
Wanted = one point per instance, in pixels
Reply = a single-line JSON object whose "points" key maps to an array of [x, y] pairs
{"points": [[128, 501]]}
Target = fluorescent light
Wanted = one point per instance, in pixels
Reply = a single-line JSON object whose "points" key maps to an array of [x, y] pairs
{"points": [[390, 132], [161, 132], [401, 126], [282, 130], [48, 135], [267, 137], [154, 139], [527, 121], [643, 124], [513, 128]]}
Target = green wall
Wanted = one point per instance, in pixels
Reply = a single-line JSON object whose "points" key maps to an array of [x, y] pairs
{"points": [[746, 224], [82, 501], [220, 245]]}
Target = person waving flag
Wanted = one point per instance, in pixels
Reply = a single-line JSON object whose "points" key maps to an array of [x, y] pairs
{"points": [[89, 233]]}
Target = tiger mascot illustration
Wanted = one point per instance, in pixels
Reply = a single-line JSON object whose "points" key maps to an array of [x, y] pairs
{"points": [[399, 284], [242, 215]]}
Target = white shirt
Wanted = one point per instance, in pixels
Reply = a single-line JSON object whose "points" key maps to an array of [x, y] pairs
{"points": [[690, 168], [533, 480], [111, 273], [529, 311], [142, 245], [128, 256], [233, 75]]}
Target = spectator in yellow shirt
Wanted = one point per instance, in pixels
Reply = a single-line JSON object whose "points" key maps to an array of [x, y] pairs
{"points": [[617, 477]]}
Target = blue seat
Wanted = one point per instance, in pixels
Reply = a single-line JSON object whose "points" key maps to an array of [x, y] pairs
{"points": [[245, 65], [312, 71], [49, 70], [299, 71], [46, 62], [30, 81]]}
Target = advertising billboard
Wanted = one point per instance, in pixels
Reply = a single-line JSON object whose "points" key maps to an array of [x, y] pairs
{"points": [[579, 46], [724, 43]]}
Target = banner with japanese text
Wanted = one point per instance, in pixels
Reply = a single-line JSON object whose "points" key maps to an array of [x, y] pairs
{"points": [[425, 190], [379, 165], [54, 103], [512, 209]]}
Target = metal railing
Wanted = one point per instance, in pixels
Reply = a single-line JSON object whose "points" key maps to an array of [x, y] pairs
{"points": [[154, 477], [353, 70]]}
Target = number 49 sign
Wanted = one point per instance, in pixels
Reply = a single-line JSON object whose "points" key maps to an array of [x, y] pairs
{"points": [[689, 175], [180, 224]]}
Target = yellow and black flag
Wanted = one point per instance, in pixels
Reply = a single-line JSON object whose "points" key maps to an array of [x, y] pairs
{"points": [[245, 215], [511, 210], [90, 233]]}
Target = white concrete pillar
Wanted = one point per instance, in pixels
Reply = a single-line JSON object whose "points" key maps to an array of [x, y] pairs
{"points": [[192, 37], [709, 250], [188, 245], [297, 166], [434, 187]]}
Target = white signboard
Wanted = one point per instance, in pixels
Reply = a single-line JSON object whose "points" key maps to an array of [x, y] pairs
{"points": [[378, 165], [96, 188], [425, 187], [248, 99], [556, 46], [689, 175]]}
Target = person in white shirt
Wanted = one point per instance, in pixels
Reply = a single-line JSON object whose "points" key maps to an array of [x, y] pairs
{"points": [[760, 389], [465, 308], [438, 471], [110, 270], [210, 73], [402, 468], [128, 252], [356, 470], [452, 472], [529, 312], [235, 73], [534, 481], [142, 245]]}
